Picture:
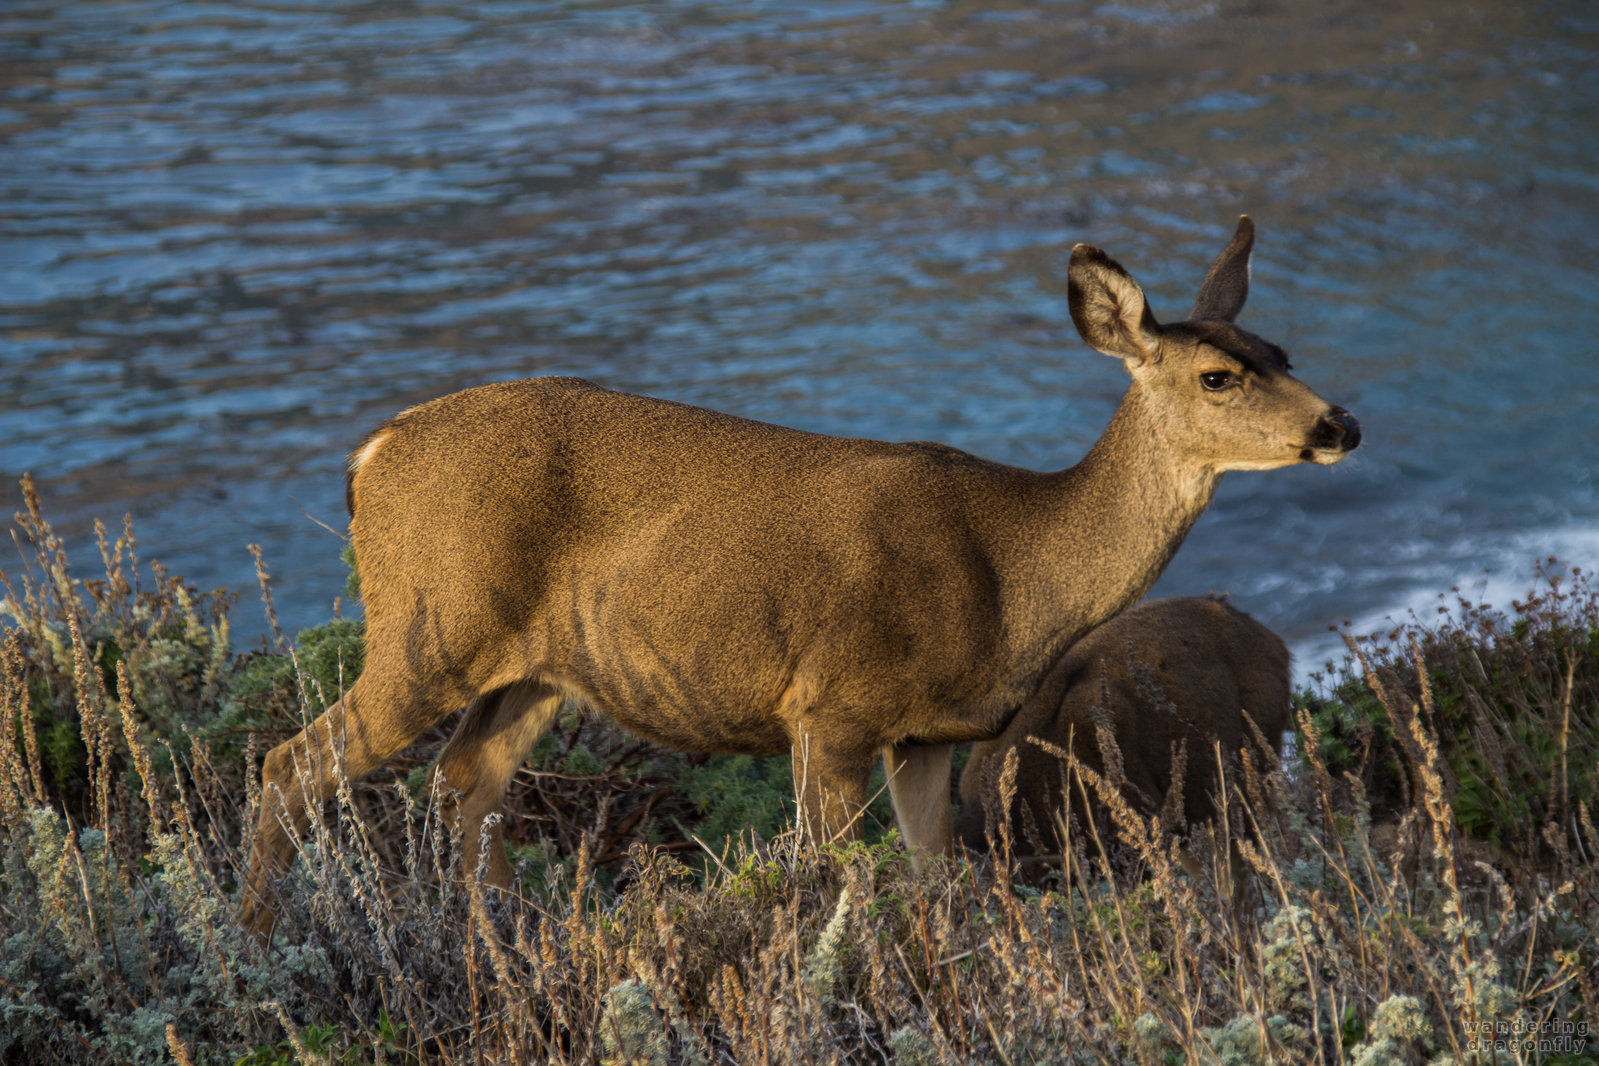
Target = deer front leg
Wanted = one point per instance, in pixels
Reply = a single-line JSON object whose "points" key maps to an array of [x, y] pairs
{"points": [[830, 783], [918, 783]]}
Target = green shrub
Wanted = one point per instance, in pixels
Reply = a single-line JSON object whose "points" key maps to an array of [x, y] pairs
{"points": [[736, 794], [1512, 697], [266, 687]]}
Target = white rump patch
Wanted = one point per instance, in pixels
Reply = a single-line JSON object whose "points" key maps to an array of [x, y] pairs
{"points": [[363, 455]]}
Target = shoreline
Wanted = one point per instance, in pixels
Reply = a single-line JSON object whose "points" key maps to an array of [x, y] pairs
{"points": [[1506, 575]]}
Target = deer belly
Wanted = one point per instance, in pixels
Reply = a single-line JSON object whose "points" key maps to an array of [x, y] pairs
{"points": [[696, 721], [702, 676]]}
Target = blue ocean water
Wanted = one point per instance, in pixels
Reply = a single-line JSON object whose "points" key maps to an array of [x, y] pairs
{"points": [[237, 235]]}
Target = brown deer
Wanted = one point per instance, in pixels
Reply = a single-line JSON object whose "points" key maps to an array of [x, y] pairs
{"points": [[1166, 677], [721, 585]]}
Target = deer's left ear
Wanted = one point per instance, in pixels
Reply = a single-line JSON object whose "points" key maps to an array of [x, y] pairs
{"points": [[1226, 286]]}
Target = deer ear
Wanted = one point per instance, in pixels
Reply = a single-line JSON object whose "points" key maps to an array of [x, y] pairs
{"points": [[1226, 286], [1109, 309]]}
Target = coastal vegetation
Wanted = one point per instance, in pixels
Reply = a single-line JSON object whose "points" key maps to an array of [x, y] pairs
{"points": [[1419, 878]]}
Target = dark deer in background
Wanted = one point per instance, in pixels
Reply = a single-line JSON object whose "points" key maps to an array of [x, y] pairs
{"points": [[721, 585], [1167, 677]]}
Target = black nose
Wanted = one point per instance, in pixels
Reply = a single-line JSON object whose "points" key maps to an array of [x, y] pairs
{"points": [[1345, 425], [1336, 429]]}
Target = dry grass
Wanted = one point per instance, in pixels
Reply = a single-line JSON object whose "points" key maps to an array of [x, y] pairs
{"points": [[128, 769]]}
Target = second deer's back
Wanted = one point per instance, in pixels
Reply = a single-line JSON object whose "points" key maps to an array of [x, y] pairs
{"points": [[1170, 672]]}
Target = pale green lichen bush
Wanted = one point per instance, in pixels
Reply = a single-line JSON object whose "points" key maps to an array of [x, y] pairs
{"points": [[1288, 940], [1250, 1040], [1400, 1034], [824, 965], [1153, 1035], [631, 1031], [909, 1047]]}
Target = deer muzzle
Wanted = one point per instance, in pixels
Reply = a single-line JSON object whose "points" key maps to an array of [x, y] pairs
{"points": [[1335, 436]]}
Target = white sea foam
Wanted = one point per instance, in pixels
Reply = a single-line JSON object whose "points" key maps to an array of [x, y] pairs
{"points": [[1504, 572]]}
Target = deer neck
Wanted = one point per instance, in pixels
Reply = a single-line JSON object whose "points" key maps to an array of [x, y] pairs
{"points": [[1111, 524]]}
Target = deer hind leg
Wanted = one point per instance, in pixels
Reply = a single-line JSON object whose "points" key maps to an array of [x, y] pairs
{"points": [[918, 783], [494, 737], [381, 713]]}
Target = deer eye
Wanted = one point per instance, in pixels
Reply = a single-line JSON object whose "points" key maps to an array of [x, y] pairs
{"points": [[1216, 380]]}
